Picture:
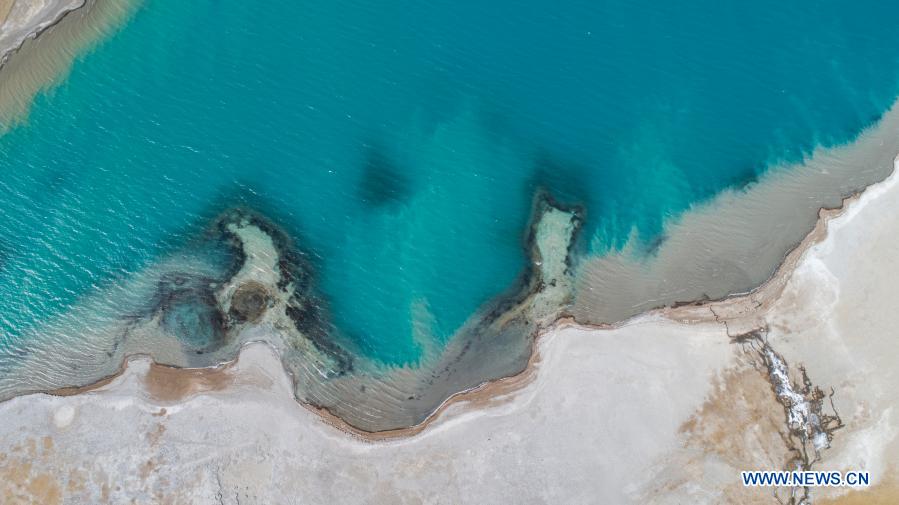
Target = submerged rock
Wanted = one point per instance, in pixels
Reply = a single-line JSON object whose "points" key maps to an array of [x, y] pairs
{"points": [[249, 301], [495, 343], [187, 309]]}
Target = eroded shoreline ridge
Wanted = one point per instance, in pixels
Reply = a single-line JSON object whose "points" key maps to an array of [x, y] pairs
{"points": [[717, 395], [244, 279], [195, 312]]}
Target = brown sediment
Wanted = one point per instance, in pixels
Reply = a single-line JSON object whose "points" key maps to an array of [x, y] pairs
{"points": [[34, 67], [163, 382], [734, 242], [5, 7], [488, 394], [169, 384], [727, 426], [249, 301], [22, 479], [747, 308], [77, 390], [724, 425], [884, 493], [740, 312]]}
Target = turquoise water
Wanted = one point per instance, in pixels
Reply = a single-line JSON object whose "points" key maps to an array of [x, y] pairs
{"points": [[401, 144]]}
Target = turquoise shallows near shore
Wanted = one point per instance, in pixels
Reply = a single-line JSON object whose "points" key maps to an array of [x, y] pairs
{"points": [[398, 149]]}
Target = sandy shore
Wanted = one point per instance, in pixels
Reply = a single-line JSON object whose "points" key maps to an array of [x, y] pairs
{"points": [[24, 19], [33, 57], [722, 246], [734, 242], [667, 408]]}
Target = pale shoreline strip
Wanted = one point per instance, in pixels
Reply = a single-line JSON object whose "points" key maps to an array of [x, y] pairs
{"points": [[12, 37]]}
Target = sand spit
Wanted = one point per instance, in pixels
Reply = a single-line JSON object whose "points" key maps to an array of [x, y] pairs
{"points": [[667, 408]]}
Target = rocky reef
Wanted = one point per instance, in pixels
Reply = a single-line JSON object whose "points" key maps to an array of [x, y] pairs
{"points": [[267, 292], [197, 309], [243, 279]]}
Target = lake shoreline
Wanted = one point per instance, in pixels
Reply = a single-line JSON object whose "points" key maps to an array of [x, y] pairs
{"points": [[14, 32], [40, 54], [699, 307], [740, 313], [740, 316], [598, 391]]}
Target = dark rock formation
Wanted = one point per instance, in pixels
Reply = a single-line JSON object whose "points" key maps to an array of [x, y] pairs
{"points": [[188, 310], [249, 301]]}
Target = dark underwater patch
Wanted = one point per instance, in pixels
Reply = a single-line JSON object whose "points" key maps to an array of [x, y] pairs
{"points": [[382, 183], [745, 177], [565, 180], [190, 312], [654, 245], [562, 184]]}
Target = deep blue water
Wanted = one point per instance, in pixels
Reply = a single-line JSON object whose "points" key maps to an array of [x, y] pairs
{"points": [[400, 143]]}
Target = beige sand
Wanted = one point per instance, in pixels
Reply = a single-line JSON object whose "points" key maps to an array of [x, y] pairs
{"points": [[5, 7], [733, 243], [23, 20]]}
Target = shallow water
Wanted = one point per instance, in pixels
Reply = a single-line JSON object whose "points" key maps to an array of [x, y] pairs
{"points": [[400, 146]]}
